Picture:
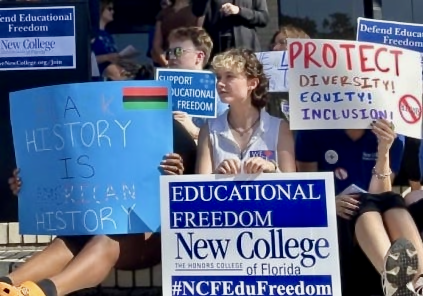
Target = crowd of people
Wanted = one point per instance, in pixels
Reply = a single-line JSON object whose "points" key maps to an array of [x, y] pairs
{"points": [[378, 230]]}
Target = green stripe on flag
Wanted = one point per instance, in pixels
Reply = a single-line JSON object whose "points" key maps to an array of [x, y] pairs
{"points": [[145, 105]]}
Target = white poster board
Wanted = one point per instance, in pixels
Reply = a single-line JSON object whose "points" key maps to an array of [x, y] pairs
{"points": [[337, 84], [275, 66], [273, 234]]}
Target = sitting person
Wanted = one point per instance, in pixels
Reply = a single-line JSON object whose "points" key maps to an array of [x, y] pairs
{"points": [[111, 65], [227, 144], [190, 49], [368, 159], [72, 263]]}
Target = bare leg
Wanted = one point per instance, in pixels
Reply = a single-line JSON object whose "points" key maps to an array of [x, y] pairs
{"points": [[44, 264], [90, 267], [413, 196], [400, 224], [414, 185], [372, 238]]}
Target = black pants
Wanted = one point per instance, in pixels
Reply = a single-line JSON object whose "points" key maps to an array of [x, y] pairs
{"points": [[358, 275]]}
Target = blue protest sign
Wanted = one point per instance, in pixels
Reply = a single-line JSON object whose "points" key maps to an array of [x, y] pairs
{"points": [[404, 35], [193, 92], [266, 233], [35, 38], [89, 156]]}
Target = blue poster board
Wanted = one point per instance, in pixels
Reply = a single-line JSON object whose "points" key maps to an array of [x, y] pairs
{"points": [[404, 35], [193, 92], [34, 38], [89, 156]]}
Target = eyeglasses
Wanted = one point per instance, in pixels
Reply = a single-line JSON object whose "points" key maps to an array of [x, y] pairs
{"points": [[110, 9], [176, 52]]}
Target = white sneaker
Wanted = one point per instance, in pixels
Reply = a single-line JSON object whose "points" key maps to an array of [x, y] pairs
{"points": [[419, 286], [401, 265]]}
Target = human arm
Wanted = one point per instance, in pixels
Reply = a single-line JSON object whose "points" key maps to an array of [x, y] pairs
{"points": [[286, 150], [200, 21], [112, 57], [258, 16], [204, 164], [184, 119], [157, 53], [389, 156]]}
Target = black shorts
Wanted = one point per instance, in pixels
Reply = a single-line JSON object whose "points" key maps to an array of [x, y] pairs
{"points": [[355, 266], [76, 243], [379, 203]]}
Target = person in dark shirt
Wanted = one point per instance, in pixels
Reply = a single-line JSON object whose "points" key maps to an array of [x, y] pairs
{"points": [[369, 223], [72, 263], [232, 23], [104, 45]]}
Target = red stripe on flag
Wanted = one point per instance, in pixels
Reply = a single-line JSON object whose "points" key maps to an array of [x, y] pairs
{"points": [[145, 91]]}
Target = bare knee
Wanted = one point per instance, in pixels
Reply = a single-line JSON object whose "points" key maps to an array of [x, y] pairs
{"points": [[413, 196], [105, 248]]}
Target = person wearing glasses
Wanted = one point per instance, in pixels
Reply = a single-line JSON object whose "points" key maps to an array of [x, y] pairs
{"points": [[190, 49], [104, 46]]}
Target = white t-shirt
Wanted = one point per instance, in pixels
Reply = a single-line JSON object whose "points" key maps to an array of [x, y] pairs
{"points": [[263, 142]]}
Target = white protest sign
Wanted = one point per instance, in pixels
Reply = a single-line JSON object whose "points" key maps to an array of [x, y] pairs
{"points": [[275, 65], [336, 84], [272, 234]]}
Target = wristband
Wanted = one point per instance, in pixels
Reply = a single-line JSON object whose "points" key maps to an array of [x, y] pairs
{"points": [[381, 176]]}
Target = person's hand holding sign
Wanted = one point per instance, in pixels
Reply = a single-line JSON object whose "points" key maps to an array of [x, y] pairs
{"points": [[256, 165], [347, 205], [385, 133], [15, 182], [229, 167], [172, 164]]}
